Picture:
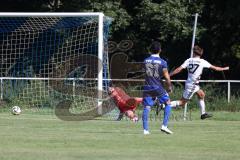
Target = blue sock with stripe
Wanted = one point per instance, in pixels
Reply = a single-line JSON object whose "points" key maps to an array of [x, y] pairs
{"points": [[145, 115], [167, 113]]}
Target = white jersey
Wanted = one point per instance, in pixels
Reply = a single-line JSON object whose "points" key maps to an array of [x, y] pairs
{"points": [[195, 67]]}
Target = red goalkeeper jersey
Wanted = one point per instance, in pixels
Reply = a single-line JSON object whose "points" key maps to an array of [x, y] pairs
{"points": [[124, 101]]}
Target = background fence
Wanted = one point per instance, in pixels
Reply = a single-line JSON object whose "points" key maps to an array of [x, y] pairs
{"points": [[36, 92], [230, 87]]}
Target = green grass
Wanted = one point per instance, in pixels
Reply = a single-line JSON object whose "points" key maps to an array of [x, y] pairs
{"points": [[44, 137]]}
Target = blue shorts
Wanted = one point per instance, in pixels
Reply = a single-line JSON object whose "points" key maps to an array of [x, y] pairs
{"points": [[150, 101]]}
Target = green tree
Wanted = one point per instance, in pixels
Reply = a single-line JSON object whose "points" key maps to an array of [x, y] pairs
{"points": [[221, 40], [27, 6], [113, 9], [170, 21]]}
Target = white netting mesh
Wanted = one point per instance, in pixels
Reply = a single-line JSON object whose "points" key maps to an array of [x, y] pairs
{"points": [[51, 47]]}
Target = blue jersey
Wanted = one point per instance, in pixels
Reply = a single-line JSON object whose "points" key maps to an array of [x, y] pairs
{"points": [[154, 67]]}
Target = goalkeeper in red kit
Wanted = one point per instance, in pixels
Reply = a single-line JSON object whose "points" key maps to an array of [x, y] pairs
{"points": [[126, 104]]}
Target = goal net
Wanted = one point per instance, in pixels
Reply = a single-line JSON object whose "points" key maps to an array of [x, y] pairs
{"points": [[48, 59]]}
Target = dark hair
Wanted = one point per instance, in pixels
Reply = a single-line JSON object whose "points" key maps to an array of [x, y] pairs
{"points": [[155, 47], [197, 50]]}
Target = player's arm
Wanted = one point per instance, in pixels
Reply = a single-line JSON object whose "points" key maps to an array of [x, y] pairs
{"points": [[138, 100], [168, 80], [176, 71], [216, 68], [180, 68]]}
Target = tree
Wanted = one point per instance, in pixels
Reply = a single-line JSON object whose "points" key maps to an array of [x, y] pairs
{"points": [[113, 9], [221, 40], [169, 21], [30, 6]]}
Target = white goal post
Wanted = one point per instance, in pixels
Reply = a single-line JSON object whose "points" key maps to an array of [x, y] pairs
{"points": [[46, 46], [191, 54]]}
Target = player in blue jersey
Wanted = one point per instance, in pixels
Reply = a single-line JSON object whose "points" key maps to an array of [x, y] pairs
{"points": [[155, 69]]}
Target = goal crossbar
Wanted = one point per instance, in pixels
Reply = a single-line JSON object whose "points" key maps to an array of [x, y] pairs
{"points": [[49, 14]]}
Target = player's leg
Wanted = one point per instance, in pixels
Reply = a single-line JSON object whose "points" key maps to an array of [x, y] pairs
{"points": [[201, 103], [187, 95], [147, 103], [178, 103], [167, 112], [159, 107], [145, 115], [120, 116], [189, 91]]}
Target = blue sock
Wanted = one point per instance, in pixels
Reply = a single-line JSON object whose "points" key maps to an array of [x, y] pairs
{"points": [[167, 112], [145, 114]]}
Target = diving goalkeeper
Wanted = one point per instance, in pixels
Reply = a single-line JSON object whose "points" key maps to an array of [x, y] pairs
{"points": [[126, 104]]}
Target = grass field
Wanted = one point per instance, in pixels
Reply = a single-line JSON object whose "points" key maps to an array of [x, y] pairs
{"points": [[44, 137]]}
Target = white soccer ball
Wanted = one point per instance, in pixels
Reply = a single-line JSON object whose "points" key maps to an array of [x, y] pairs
{"points": [[16, 110]]}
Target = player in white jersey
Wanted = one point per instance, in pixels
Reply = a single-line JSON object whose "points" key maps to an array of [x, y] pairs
{"points": [[195, 66]]}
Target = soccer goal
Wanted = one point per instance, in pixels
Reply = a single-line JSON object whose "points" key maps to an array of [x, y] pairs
{"points": [[50, 57]]}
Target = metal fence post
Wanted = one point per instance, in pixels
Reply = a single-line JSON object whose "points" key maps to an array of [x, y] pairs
{"points": [[1, 89], [229, 92]]}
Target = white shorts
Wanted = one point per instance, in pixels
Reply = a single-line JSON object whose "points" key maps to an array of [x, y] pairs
{"points": [[190, 89]]}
